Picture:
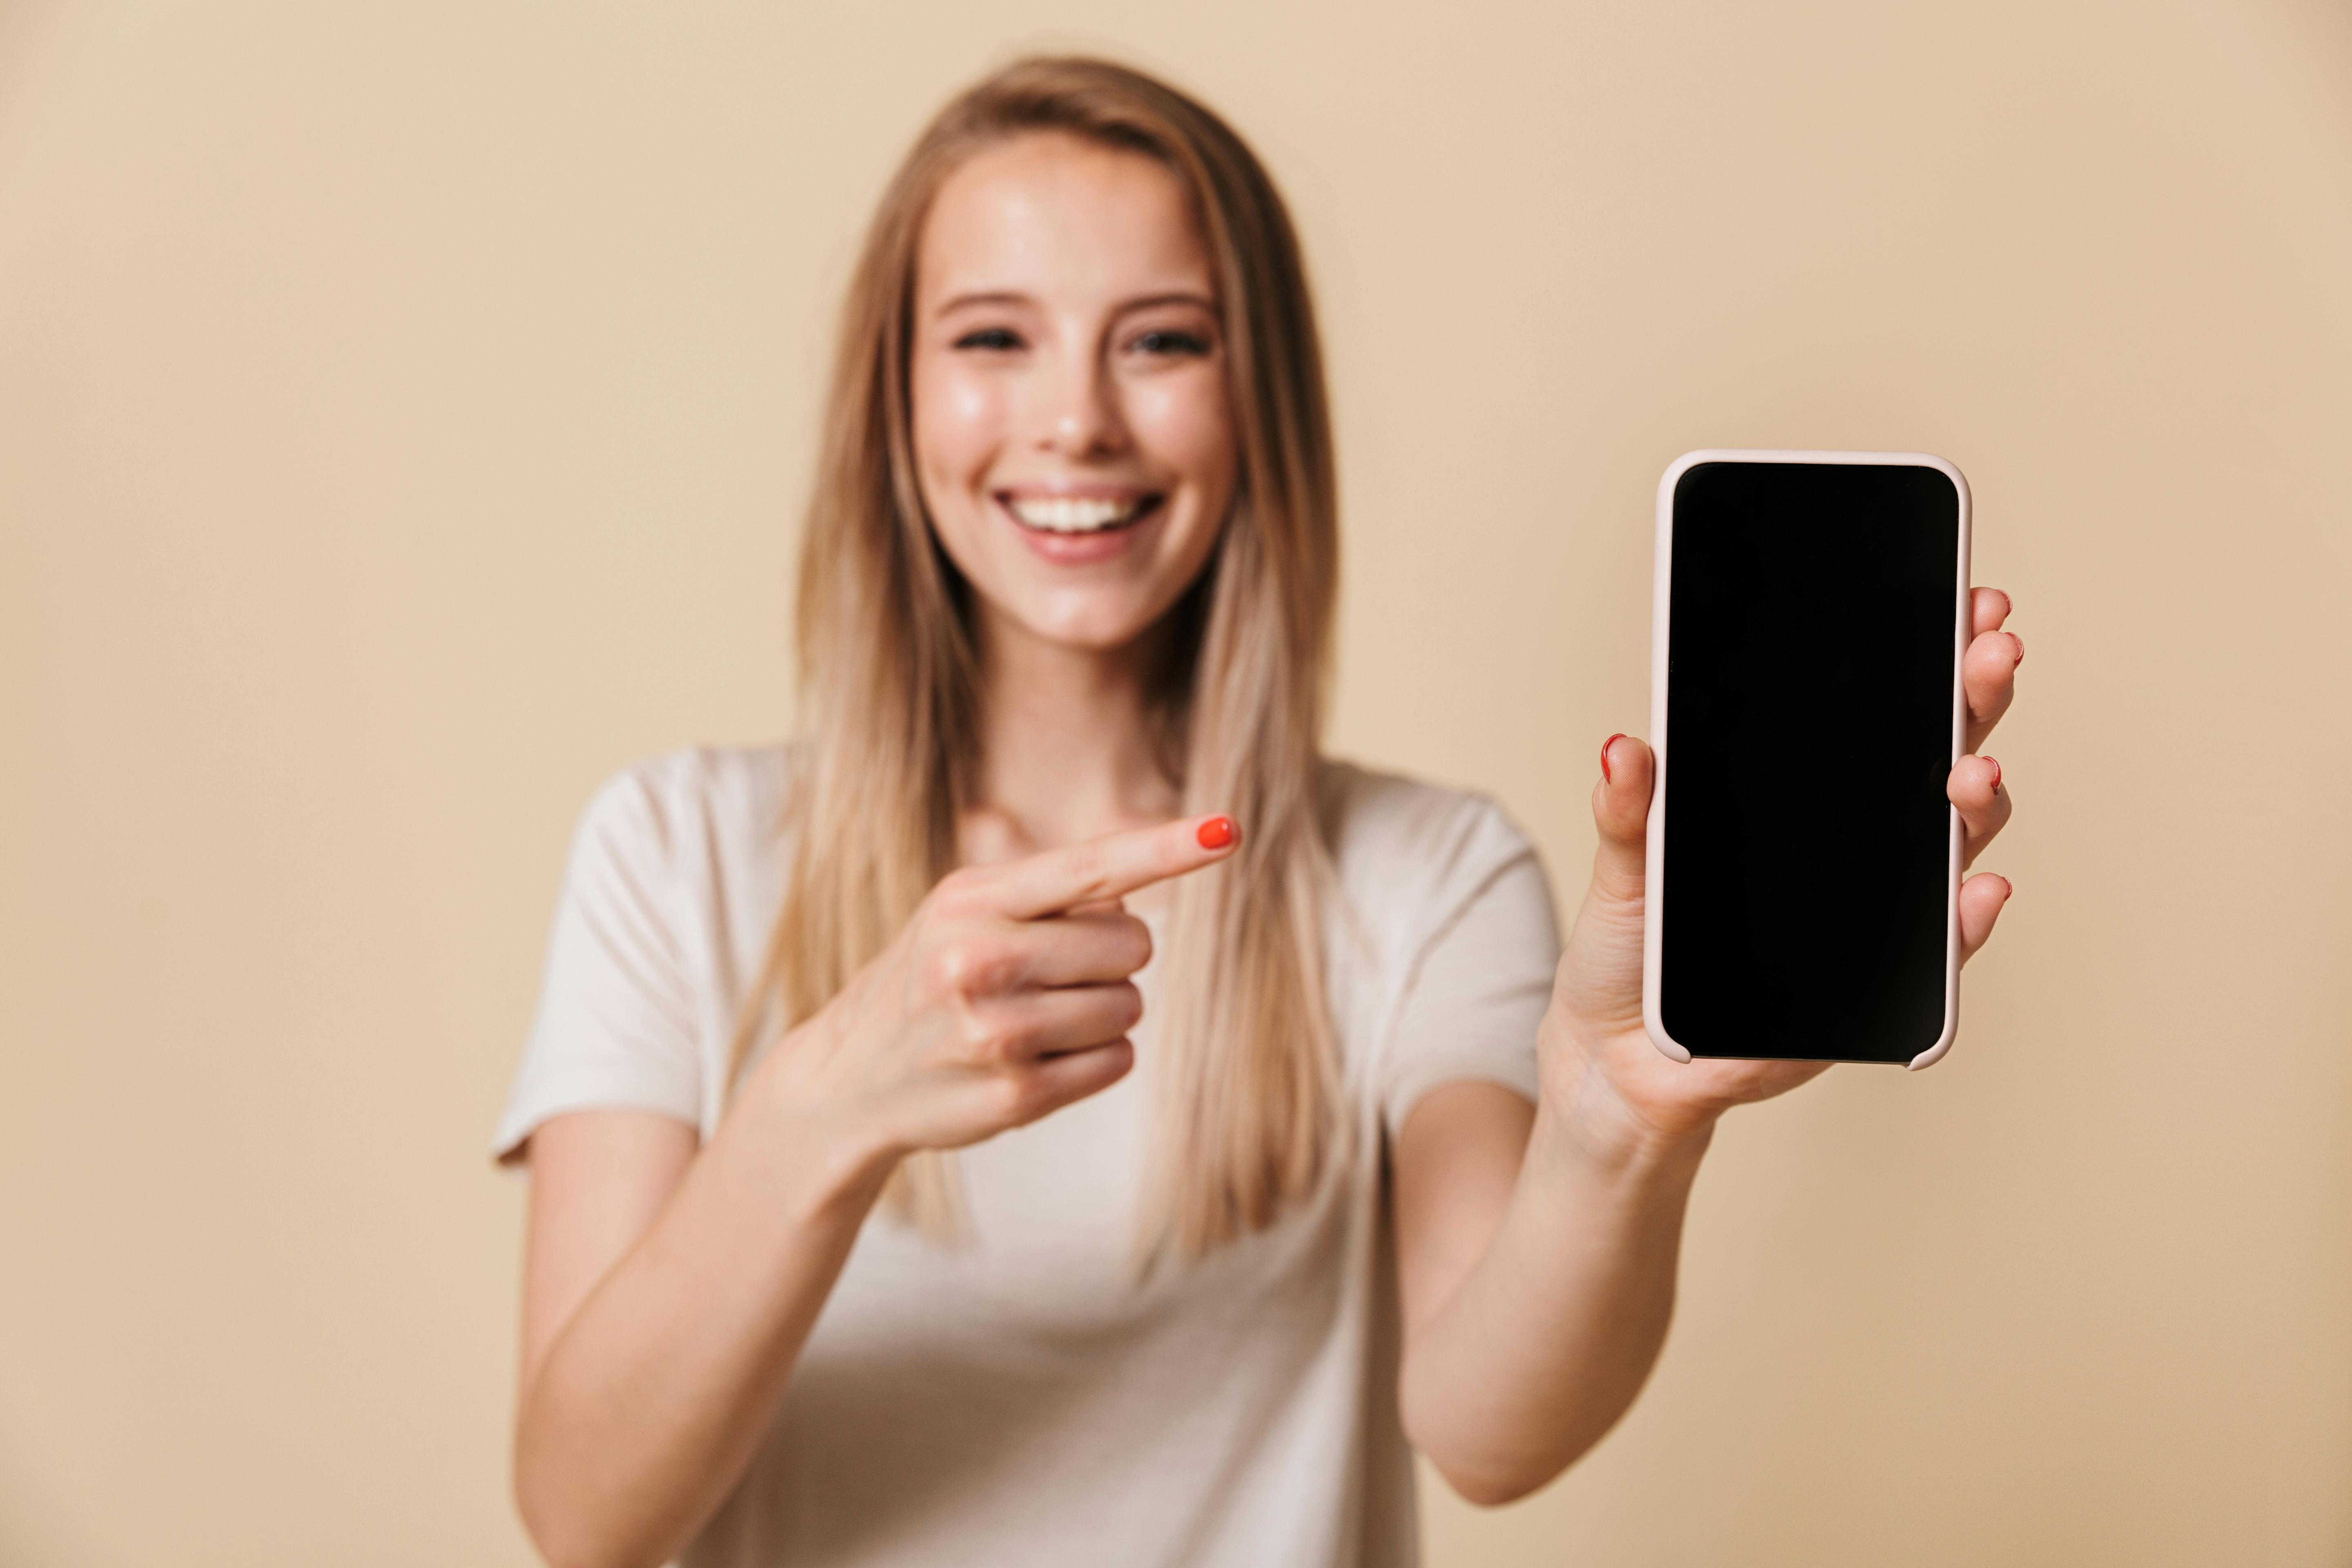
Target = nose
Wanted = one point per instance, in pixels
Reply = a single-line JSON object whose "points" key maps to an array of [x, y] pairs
{"points": [[1082, 416]]}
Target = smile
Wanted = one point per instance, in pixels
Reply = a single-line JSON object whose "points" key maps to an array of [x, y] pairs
{"points": [[1078, 515]]}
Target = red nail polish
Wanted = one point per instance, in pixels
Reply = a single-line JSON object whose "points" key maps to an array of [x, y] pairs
{"points": [[1606, 775], [2021, 650], [1217, 832], [1996, 772]]}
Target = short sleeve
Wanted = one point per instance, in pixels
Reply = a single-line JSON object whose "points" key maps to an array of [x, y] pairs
{"points": [[616, 1022], [1474, 999]]}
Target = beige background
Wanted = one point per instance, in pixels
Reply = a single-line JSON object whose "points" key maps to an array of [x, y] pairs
{"points": [[402, 410]]}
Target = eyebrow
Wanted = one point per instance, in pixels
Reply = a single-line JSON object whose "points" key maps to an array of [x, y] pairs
{"points": [[1012, 296], [998, 297]]}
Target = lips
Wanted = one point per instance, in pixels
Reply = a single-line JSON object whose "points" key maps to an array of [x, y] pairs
{"points": [[1078, 515]]}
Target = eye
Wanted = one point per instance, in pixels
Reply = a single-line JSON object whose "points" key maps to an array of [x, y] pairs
{"points": [[1168, 343], [993, 340]]}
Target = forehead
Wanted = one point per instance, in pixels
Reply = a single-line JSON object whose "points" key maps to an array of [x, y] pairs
{"points": [[1048, 213]]}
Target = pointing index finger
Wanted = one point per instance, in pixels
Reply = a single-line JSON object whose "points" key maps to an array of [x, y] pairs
{"points": [[1113, 865]]}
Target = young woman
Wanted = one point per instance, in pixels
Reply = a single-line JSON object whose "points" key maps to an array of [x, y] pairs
{"points": [[854, 1238]]}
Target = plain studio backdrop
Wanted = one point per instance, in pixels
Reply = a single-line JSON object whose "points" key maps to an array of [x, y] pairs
{"points": [[405, 416]]}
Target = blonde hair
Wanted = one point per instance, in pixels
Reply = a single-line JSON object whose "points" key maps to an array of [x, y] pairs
{"points": [[891, 689]]}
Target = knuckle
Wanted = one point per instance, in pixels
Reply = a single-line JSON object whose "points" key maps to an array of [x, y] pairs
{"points": [[971, 968], [975, 1034], [948, 969], [1009, 1043], [993, 1039], [996, 970], [1020, 1097]]}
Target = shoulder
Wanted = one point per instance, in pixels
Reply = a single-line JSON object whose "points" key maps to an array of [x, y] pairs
{"points": [[690, 802], [1408, 853]]}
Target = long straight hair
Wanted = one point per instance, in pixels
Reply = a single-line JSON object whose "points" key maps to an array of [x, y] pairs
{"points": [[891, 688]]}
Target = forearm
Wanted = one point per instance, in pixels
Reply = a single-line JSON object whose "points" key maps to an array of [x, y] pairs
{"points": [[1548, 1338], [648, 1404]]}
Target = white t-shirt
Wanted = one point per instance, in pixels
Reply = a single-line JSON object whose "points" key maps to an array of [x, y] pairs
{"points": [[1021, 1399]]}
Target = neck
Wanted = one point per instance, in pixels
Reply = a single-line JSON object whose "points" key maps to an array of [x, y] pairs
{"points": [[1067, 747]]}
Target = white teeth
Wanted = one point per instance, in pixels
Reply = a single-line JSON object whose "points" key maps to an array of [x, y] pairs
{"points": [[1073, 514]]}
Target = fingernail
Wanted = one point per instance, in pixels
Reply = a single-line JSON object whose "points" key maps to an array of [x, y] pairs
{"points": [[1217, 833], [2007, 887], [1608, 777], [1996, 772], [2021, 650]]}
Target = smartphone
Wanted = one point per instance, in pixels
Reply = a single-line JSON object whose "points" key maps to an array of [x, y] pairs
{"points": [[1809, 612]]}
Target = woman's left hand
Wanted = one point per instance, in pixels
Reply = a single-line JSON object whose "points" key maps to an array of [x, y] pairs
{"points": [[1620, 1096]]}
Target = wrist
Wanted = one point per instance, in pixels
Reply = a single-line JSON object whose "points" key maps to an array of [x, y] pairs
{"points": [[1583, 1114], [1603, 1143], [826, 1152]]}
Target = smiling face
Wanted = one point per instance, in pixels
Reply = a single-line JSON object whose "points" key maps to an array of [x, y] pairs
{"points": [[1073, 433]]}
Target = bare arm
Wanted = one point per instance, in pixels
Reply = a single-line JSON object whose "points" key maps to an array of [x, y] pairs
{"points": [[667, 1297], [1535, 1321], [1536, 1246], [668, 1292]]}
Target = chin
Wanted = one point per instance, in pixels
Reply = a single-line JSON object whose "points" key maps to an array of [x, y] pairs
{"points": [[1090, 628], [1091, 638]]}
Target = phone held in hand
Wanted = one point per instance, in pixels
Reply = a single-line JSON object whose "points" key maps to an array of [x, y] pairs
{"points": [[1811, 611]]}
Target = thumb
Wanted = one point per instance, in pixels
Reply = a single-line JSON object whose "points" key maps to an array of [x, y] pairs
{"points": [[1620, 811]]}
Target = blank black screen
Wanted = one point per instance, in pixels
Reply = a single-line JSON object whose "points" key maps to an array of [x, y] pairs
{"points": [[1809, 735]]}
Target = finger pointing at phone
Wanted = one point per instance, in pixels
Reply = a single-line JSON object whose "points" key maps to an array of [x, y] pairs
{"points": [[1103, 868], [1007, 995]]}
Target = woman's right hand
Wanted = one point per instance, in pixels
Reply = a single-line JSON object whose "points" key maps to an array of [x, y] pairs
{"points": [[700, 1273], [1006, 996]]}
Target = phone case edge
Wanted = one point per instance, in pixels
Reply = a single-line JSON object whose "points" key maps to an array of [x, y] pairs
{"points": [[1661, 595]]}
